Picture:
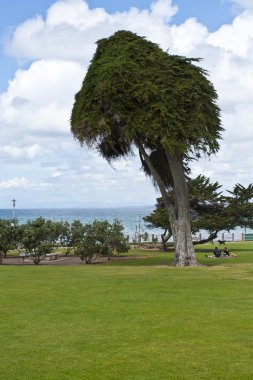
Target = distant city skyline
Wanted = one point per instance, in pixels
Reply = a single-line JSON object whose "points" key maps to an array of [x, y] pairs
{"points": [[46, 47]]}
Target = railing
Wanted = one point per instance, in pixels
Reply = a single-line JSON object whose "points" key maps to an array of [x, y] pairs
{"points": [[223, 236]]}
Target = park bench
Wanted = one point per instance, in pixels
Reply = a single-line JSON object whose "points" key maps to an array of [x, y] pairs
{"points": [[51, 256]]}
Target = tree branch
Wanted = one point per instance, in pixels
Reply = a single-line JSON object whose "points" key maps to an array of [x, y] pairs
{"points": [[212, 236]]}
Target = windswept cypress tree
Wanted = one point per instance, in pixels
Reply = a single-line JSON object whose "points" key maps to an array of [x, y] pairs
{"points": [[135, 94]]}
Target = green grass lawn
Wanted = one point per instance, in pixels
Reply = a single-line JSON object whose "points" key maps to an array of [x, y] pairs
{"points": [[139, 319]]}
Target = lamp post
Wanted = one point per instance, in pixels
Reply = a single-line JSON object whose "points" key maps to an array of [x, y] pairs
{"points": [[14, 205]]}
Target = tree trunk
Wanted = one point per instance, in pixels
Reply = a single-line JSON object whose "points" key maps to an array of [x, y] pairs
{"points": [[184, 250], [165, 237], [179, 213], [213, 235], [167, 201]]}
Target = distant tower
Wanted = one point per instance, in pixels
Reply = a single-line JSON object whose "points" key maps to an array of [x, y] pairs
{"points": [[13, 210]]}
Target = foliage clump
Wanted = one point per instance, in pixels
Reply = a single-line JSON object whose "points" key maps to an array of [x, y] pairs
{"points": [[133, 90], [211, 210], [40, 237], [101, 238]]}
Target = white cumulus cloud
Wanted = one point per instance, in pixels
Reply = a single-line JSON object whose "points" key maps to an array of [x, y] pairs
{"points": [[16, 182], [71, 29], [21, 152], [39, 99]]}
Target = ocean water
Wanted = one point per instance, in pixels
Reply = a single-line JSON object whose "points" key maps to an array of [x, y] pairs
{"points": [[130, 217]]}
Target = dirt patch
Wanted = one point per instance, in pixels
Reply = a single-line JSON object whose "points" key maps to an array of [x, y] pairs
{"points": [[148, 246], [65, 260]]}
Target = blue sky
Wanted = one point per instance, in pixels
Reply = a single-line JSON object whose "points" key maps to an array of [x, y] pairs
{"points": [[212, 13], [45, 50]]}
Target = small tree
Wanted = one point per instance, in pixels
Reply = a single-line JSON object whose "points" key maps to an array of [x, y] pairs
{"points": [[116, 238], [208, 209], [40, 251], [71, 234], [101, 238], [159, 219], [38, 238], [240, 205], [8, 236], [88, 249]]}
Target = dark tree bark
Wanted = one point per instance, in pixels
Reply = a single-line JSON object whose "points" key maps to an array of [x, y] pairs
{"points": [[212, 236], [165, 237]]}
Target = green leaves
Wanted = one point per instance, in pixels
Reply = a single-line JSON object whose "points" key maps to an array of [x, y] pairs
{"points": [[135, 86], [39, 237], [101, 238], [8, 235], [241, 205]]}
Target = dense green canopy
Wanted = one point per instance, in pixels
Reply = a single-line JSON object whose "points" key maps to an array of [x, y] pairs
{"points": [[134, 91]]}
